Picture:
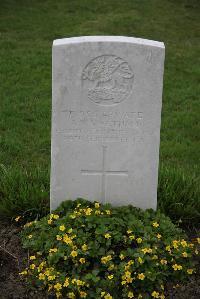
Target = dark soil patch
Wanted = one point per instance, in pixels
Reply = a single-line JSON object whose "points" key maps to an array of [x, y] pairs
{"points": [[12, 258]]}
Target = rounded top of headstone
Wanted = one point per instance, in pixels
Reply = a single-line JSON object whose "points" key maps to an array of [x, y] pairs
{"points": [[103, 38]]}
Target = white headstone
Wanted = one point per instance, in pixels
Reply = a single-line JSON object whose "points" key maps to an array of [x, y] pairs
{"points": [[106, 114]]}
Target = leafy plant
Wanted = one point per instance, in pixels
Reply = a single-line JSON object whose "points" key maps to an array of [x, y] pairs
{"points": [[89, 250]]}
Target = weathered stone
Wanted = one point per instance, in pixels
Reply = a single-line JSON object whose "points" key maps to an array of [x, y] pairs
{"points": [[107, 96]]}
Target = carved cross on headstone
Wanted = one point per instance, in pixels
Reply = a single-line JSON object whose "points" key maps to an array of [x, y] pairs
{"points": [[103, 172]]}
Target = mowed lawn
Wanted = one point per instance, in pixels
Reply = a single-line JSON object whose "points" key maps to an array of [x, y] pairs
{"points": [[27, 29]]}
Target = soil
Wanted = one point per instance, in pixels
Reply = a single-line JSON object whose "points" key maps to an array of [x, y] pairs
{"points": [[12, 257]]}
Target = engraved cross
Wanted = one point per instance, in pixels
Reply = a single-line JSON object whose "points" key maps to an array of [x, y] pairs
{"points": [[103, 172]]}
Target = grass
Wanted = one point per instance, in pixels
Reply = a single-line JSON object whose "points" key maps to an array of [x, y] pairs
{"points": [[27, 29]]}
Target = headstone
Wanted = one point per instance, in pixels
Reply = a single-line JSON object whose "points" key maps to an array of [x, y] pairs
{"points": [[106, 114]]}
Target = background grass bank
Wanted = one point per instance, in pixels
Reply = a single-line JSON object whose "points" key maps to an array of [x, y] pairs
{"points": [[27, 29]]}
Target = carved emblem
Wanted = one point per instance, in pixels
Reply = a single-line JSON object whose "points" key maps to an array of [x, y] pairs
{"points": [[108, 79]]}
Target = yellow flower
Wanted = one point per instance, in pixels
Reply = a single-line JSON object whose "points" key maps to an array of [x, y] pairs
{"points": [[168, 248], [159, 236], [32, 266], [107, 236], [108, 296], [155, 294], [162, 296], [84, 247], [58, 295], [51, 277], [184, 243], [67, 239], [82, 260], [80, 282], [108, 212], [177, 267], [190, 271], [154, 257], [29, 223], [131, 237], [106, 259], [110, 276], [17, 218], [41, 276], [130, 295], [30, 236], [58, 286], [175, 244], [71, 295], [155, 224], [97, 212], [74, 253], [49, 221], [196, 252], [59, 237], [88, 211], [122, 257], [129, 231], [62, 228], [163, 262], [70, 231], [198, 240], [139, 240], [97, 205], [53, 250], [32, 257], [66, 283], [184, 254], [55, 216], [141, 276], [83, 294], [25, 272], [140, 260]]}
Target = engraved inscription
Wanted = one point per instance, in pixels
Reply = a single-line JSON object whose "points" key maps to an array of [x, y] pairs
{"points": [[103, 172], [108, 79], [102, 127]]}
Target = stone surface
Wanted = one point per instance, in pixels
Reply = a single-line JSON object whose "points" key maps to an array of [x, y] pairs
{"points": [[106, 114]]}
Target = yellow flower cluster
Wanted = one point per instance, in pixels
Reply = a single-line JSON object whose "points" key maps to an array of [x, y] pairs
{"points": [[126, 278], [52, 217]]}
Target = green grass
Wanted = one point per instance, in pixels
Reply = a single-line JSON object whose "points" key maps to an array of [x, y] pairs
{"points": [[27, 29]]}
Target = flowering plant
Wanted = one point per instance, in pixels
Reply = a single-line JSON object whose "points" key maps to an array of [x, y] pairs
{"points": [[89, 250]]}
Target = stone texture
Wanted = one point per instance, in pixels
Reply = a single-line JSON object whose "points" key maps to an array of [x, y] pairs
{"points": [[106, 114]]}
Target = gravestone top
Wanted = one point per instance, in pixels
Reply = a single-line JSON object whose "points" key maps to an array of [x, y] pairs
{"points": [[106, 114], [104, 38]]}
